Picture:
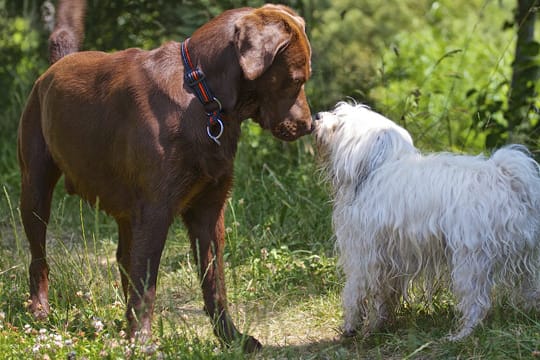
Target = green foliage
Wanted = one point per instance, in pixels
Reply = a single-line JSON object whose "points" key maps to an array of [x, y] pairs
{"points": [[346, 38], [433, 79], [20, 44], [21, 61]]}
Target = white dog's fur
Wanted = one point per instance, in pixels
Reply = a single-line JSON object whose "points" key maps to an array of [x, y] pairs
{"points": [[403, 218]]}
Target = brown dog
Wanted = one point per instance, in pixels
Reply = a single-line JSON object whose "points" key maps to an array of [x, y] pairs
{"points": [[126, 128]]}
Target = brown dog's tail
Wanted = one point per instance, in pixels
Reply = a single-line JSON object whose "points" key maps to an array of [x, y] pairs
{"points": [[68, 33]]}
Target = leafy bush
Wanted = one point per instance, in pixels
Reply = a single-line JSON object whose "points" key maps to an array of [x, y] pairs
{"points": [[432, 77]]}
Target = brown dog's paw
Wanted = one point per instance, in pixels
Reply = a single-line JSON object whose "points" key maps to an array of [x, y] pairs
{"points": [[39, 311], [251, 345]]}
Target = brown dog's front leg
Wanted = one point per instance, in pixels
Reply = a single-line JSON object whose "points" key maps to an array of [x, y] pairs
{"points": [[149, 231], [206, 230], [123, 253]]}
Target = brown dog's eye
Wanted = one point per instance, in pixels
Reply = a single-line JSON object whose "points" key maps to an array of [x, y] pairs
{"points": [[297, 84]]}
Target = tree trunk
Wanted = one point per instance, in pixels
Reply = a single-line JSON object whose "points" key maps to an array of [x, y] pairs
{"points": [[525, 71]]}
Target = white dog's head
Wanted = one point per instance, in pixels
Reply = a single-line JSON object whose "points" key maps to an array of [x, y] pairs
{"points": [[354, 141]]}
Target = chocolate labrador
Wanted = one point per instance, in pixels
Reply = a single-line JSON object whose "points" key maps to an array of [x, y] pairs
{"points": [[153, 134]]}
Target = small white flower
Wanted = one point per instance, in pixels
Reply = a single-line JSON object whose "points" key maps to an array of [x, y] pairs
{"points": [[2, 316], [58, 341], [149, 349], [128, 351], [98, 325]]}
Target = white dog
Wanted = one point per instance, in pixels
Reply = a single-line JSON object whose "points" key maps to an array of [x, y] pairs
{"points": [[404, 219]]}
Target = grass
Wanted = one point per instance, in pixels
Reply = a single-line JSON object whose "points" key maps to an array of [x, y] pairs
{"points": [[283, 285]]}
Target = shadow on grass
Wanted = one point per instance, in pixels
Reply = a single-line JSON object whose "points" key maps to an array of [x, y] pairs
{"points": [[507, 333]]}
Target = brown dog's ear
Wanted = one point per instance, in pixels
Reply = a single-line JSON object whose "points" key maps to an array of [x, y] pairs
{"points": [[257, 41]]}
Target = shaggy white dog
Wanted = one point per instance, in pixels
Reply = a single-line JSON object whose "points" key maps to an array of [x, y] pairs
{"points": [[405, 219]]}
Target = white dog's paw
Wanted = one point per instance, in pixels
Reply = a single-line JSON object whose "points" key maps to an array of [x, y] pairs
{"points": [[460, 335], [349, 333]]}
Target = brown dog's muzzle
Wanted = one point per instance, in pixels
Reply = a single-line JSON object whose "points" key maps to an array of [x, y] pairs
{"points": [[291, 130], [296, 123]]}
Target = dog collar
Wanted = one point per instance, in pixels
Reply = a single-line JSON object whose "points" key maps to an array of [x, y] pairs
{"points": [[196, 80]]}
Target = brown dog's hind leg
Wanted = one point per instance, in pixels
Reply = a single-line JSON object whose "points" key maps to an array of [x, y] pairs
{"points": [[39, 175], [205, 224]]}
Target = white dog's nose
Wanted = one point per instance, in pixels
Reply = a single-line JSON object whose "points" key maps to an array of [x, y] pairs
{"points": [[315, 118]]}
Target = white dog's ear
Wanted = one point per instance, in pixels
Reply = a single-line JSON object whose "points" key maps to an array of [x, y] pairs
{"points": [[377, 148], [257, 41]]}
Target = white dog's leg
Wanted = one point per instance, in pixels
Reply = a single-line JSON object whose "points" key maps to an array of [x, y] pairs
{"points": [[472, 284], [353, 297], [474, 315], [385, 303], [530, 292]]}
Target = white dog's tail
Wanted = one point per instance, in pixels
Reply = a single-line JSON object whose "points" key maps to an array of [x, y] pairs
{"points": [[516, 159], [517, 164]]}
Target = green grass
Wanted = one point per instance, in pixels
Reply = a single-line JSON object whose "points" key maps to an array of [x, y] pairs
{"points": [[283, 285]]}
